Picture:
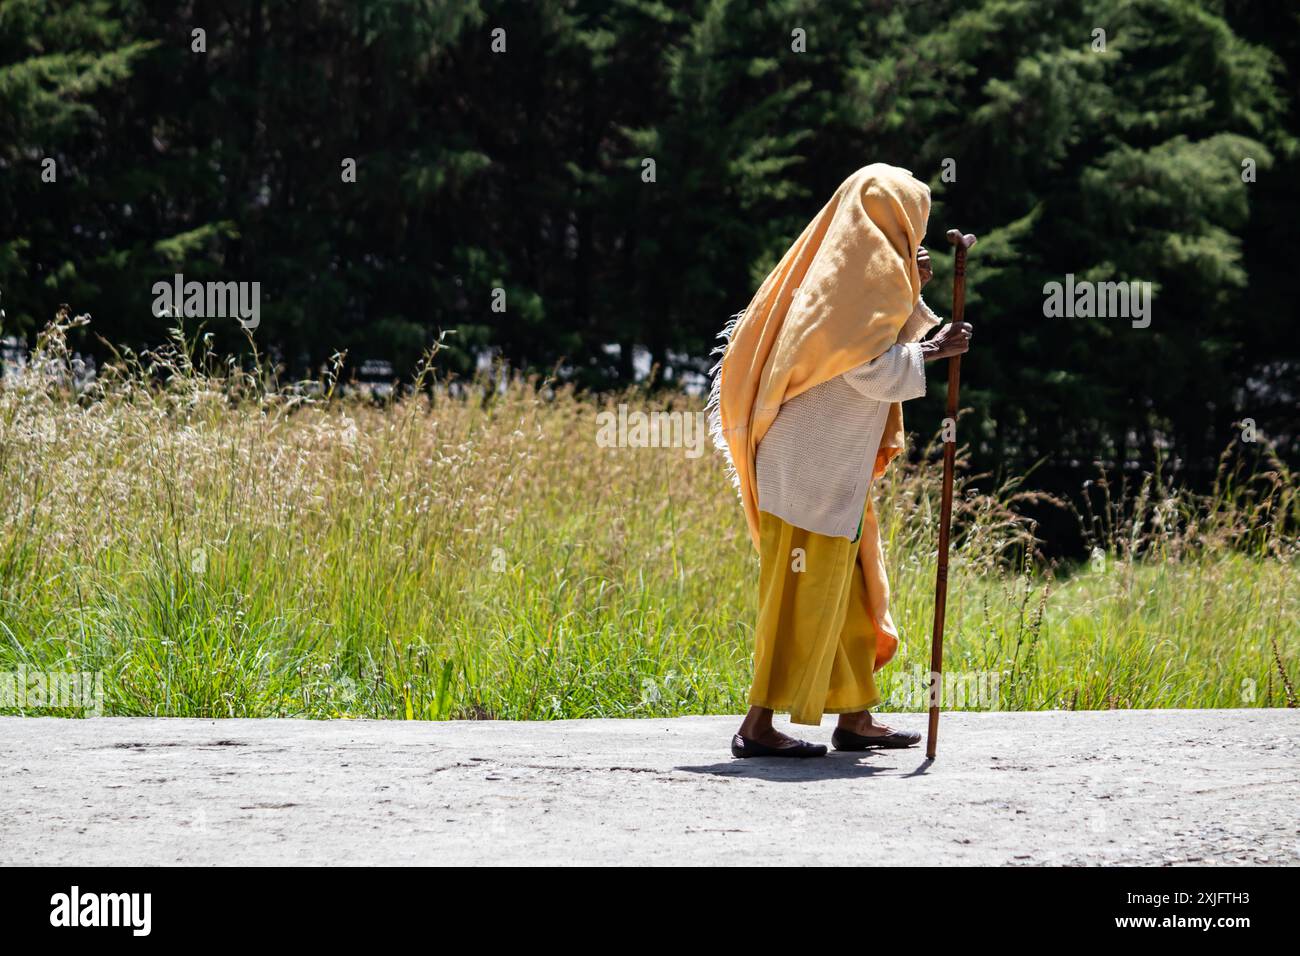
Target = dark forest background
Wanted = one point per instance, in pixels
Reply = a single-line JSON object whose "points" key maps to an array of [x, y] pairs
{"points": [[523, 170]]}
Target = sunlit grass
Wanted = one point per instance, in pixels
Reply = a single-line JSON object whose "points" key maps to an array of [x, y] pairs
{"points": [[220, 546]]}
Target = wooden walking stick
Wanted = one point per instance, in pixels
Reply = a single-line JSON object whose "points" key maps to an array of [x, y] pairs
{"points": [[961, 244]]}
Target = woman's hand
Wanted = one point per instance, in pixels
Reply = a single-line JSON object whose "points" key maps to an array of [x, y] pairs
{"points": [[952, 339], [923, 264]]}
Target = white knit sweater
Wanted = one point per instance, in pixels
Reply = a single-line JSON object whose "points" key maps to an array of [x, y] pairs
{"points": [[814, 464]]}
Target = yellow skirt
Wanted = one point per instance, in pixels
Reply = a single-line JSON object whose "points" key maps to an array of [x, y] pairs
{"points": [[815, 644]]}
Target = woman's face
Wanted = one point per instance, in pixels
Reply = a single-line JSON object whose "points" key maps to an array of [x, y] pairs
{"points": [[923, 264]]}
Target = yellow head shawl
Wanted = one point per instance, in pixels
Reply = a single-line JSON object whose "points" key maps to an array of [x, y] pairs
{"points": [[838, 298]]}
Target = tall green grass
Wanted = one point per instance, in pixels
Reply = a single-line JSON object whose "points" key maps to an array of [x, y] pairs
{"points": [[217, 544]]}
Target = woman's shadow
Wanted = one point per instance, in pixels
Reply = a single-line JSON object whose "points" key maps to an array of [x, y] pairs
{"points": [[834, 766]]}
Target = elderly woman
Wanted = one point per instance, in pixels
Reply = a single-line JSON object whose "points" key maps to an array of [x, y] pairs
{"points": [[806, 405]]}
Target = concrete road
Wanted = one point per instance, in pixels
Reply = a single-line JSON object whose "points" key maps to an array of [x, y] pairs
{"points": [[1135, 787]]}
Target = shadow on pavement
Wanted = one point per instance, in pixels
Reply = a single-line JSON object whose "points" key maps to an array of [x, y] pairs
{"points": [[834, 766]]}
